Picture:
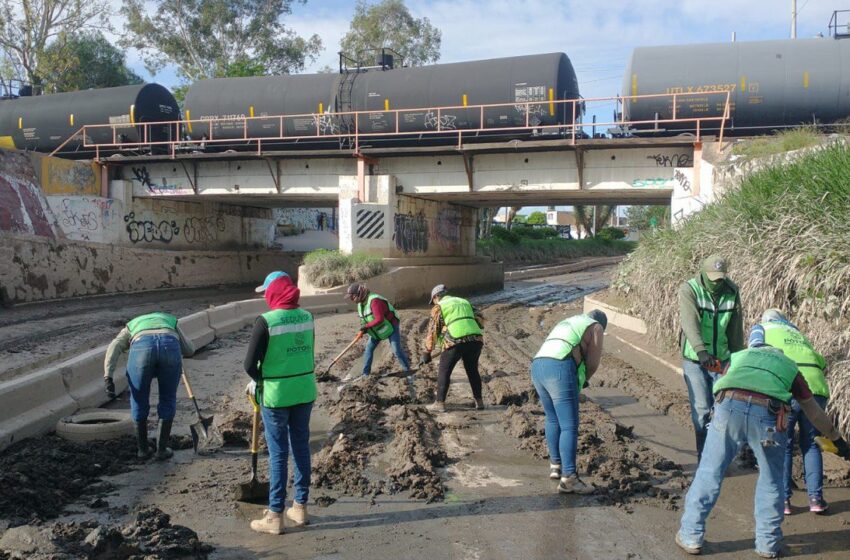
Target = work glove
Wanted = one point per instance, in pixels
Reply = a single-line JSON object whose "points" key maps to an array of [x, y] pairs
{"points": [[109, 387], [251, 388], [842, 449], [707, 361], [425, 359], [363, 330]]}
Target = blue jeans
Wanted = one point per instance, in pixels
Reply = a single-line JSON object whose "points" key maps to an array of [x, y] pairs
{"points": [[556, 384], [737, 423], [812, 459], [284, 428], [154, 356], [700, 383], [395, 342]]}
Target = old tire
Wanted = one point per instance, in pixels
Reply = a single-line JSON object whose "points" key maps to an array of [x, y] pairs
{"points": [[95, 425]]}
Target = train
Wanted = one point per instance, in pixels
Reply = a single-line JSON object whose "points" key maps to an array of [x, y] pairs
{"points": [[772, 84]]}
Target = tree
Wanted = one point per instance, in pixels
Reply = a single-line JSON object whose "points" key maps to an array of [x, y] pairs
{"points": [[643, 217], [536, 218], [29, 27], [389, 24], [584, 217], [87, 60], [217, 38]]}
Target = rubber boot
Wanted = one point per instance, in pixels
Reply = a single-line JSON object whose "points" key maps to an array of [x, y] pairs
{"points": [[479, 404], [271, 523], [298, 514], [164, 452], [144, 449]]}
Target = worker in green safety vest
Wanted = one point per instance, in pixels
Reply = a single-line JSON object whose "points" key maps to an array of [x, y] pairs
{"points": [[752, 402], [280, 360], [568, 357], [776, 330], [156, 345], [378, 320], [458, 329], [712, 328]]}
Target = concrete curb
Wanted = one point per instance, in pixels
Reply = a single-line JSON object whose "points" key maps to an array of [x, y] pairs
{"points": [[616, 316], [32, 404], [539, 272]]}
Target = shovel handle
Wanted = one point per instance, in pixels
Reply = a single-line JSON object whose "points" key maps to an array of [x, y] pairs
{"points": [[189, 391], [346, 349], [255, 427]]}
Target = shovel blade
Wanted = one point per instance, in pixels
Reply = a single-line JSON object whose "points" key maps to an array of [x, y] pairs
{"points": [[201, 434], [253, 491]]}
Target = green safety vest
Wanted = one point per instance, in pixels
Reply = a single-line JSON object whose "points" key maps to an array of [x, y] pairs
{"points": [[713, 322], [287, 367], [458, 317], [564, 337], [385, 328], [152, 321], [797, 347], [762, 370]]}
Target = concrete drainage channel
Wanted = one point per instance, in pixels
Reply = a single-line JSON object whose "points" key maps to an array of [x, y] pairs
{"points": [[32, 404]]}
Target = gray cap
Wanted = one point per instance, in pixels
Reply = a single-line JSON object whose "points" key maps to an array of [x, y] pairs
{"points": [[439, 289], [774, 315], [715, 267], [599, 317]]}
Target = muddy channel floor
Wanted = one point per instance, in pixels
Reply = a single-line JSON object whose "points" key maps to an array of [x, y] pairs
{"points": [[393, 480]]}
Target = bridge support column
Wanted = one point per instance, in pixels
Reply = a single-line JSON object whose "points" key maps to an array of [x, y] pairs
{"points": [[376, 217]]}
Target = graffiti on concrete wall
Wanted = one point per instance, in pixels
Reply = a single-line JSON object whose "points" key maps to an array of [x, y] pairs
{"points": [[203, 229], [143, 176], [23, 208], [81, 217], [446, 228], [682, 180], [653, 182], [672, 160], [163, 231], [369, 224], [62, 176], [410, 233]]}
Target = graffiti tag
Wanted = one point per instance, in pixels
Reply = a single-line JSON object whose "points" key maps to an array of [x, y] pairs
{"points": [[445, 122], [203, 230], [411, 233], [683, 180], [674, 160], [149, 231], [446, 230]]}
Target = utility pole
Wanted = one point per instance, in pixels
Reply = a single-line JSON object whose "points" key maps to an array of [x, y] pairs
{"points": [[793, 19]]}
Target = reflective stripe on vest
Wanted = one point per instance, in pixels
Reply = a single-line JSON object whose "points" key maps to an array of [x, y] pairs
{"points": [[458, 317], [385, 328], [763, 370], [713, 322], [564, 337], [797, 347], [152, 321], [287, 367]]}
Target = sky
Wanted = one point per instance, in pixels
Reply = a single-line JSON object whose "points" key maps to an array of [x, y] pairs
{"points": [[597, 35]]}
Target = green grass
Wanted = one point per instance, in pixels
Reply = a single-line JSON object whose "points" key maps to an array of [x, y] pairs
{"points": [[326, 269], [542, 250], [785, 234], [785, 141]]}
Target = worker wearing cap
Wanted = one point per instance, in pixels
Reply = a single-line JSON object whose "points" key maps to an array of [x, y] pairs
{"points": [[280, 361], [752, 401], [776, 330], [379, 320], [157, 346], [568, 357], [712, 328], [455, 325]]}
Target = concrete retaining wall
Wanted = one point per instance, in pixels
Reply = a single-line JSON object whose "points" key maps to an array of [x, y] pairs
{"points": [[36, 268], [31, 405], [615, 315], [542, 271]]}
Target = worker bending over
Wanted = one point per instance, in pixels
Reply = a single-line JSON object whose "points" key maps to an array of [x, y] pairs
{"points": [[280, 361], [752, 405], [379, 320], [569, 356], [457, 327], [157, 346], [712, 328], [775, 330]]}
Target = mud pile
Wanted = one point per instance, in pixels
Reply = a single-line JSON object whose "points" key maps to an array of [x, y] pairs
{"points": [[416, 454], [526, 425], [235, 428], [150, 536], [39, 476]]}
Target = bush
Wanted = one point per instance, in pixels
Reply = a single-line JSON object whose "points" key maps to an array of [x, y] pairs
{"points": [[548, 250], [785, 141], [610, 234], [784, 232], [503, 234], [325, 269], [534, 233]]}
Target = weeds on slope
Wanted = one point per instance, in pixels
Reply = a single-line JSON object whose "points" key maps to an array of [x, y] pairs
{"points": [[537, 250], [326, 269], [784, 141], [785, 234]]}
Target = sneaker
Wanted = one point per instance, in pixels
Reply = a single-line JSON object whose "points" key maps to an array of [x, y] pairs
{"points": [[787, 507], [690, 549], [818, 506], [271, 523], [763, 554], [554, 471], [437, 406], [573, 485], [298, 514]]}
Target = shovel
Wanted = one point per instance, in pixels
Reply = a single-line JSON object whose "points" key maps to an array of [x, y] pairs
{"points": [[201, 429], [253, 490], [346, 349]]}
